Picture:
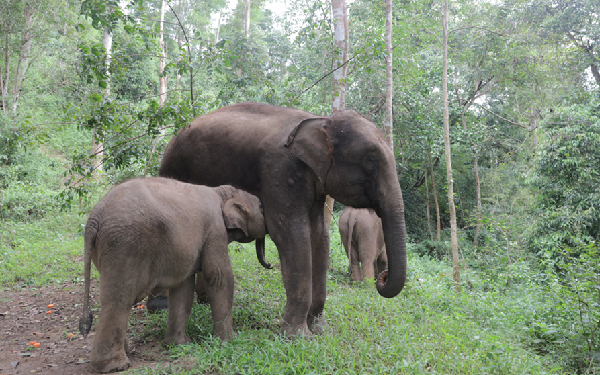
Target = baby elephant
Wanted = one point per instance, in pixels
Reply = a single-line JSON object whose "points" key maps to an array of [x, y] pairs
{"points": [[154, 234], [362, 236]]}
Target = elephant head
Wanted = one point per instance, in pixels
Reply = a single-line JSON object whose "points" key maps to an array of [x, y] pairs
{"points": [[356, 167], [244, 222]]}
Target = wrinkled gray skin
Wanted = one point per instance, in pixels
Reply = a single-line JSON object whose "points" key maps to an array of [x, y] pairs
{"points": [[154, 234], [362, 236], [291, 160]]}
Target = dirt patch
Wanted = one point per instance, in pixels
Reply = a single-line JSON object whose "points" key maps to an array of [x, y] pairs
{"points": [[24, 319]]}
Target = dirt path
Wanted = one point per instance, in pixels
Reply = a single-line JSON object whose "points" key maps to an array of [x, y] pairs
{"points": [[62, 350]]}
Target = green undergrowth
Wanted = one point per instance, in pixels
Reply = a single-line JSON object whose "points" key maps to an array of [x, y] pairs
{"points": [[427, 329], [39, 252]]}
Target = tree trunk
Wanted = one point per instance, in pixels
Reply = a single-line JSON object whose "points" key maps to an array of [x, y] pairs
{"points": [[97, 146], [448, 153], [23, 62], [5, 75], [341, 44], [339, 76], [478, 197], [162, 86], [389, 88], [218, 27], [595, 72], [427, 201], [247, 18], [437, 206]]}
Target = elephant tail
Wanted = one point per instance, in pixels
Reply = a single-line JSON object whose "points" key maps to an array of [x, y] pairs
{"points": [[85, 322]]}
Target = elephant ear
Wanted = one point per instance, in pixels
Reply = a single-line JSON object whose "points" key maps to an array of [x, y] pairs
{"points": [[310, 141], [235, 215]]}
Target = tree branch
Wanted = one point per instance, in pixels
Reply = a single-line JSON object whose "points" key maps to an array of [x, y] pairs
{"points": [[497, 115]]}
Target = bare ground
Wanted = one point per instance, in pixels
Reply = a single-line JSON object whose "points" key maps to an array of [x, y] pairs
{"points": [[24, 320]]}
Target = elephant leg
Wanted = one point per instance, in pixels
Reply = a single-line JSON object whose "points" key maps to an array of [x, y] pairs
{"points": [[296, 270], [382, 261], [180, 308], [368, 261], [201, 294], [320, 263], [219, 286], [108, 349], [354, 259]]}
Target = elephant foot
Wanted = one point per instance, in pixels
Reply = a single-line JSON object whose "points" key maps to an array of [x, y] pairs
{"points": [[318, 324], [300, 331], [157, 303], [119, 363], [177, 340]]}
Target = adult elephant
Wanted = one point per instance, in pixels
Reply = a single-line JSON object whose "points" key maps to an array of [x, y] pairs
{"points": [[291, 160]]}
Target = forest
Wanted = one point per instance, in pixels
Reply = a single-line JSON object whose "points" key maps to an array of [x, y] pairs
{"points": [[503, 264]]}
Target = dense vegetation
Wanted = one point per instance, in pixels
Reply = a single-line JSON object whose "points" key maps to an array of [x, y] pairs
{"points": [[525, 128]]}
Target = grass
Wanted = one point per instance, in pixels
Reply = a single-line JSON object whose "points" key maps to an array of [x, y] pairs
{"points": [[427, 329], [41, 252]]}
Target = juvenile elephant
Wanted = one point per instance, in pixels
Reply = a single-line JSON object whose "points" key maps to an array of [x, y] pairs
{"points": [[291, 160], [362, 237], [154, 234]]}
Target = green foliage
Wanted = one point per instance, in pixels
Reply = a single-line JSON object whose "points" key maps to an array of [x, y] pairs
{"points": [[566, 327], [567, 178]]}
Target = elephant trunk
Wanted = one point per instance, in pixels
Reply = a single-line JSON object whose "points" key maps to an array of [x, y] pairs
{"points": [[260, 253], [391, 281]]}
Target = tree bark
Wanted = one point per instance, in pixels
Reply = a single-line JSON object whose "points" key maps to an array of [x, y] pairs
{"points": [[448, 153], [437, 206], [341, 44], [162, 86], [427, 201], [5, 75], [339, 76], [24, 54], [97, 146], [218, 27], [247, 18], [478, 197], [389, 87]]}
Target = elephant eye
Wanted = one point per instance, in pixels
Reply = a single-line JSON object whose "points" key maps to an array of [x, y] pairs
{"points": [[370, 161]]}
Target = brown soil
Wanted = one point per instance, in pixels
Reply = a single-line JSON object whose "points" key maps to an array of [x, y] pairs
{"points": [[24, 319]]}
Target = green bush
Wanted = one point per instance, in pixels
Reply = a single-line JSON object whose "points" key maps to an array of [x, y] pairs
{"points": [[29, 185]]}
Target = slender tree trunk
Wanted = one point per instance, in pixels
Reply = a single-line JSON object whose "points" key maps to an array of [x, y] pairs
{"points": [[5, 74], [179, 44], [478, 197], [389, 87], [437, 206], [24, 54], [97, 146], [446, 115], [162, 86], [595, 73], [339, 76], [341, 44], [427, 201], [218, 27], [247, 18]]}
